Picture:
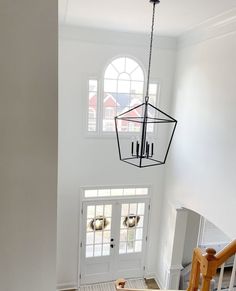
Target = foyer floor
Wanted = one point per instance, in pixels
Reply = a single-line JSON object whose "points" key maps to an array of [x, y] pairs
{"points": [[136, 283]]}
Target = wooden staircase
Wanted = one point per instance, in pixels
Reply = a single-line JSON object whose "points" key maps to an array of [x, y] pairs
{"points": [[204, 268]]}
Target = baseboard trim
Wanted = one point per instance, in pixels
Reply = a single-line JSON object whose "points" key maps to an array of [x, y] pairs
{"points": [[67, 286]]}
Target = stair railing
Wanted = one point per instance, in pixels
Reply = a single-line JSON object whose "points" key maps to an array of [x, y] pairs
{"points": [[207, 265], [204, 268]]}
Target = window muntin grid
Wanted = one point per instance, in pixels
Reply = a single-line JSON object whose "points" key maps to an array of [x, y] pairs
{"points": [[123, 88], [131, 238], [115, 192], [92, 108], [98, 241]]}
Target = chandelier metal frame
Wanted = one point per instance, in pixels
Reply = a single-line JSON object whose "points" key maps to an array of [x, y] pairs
{"points": [[144, 150]]}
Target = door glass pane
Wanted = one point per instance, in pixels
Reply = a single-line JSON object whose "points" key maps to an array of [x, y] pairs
{"points": [[123, 235], [91, 211], [122, 249], [107, 211], [89, 238], [131, 227], [98, 237], [106, 250], [89, 251], [97, 250], [106, 236], [141, 207], [124, 209], [139, 234], [99, 210], [138, 246], [98, 234]]}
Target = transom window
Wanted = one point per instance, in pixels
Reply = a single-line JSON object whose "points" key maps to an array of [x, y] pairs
{"points": [[111, 192], [123, 88]]}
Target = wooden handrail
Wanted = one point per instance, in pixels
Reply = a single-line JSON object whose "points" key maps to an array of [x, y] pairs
{"points": [[207, 264], [226, 253]]}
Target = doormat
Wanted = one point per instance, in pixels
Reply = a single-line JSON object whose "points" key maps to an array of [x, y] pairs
{"points": [[151, 283]]}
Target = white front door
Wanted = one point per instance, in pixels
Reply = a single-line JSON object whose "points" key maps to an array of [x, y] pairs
{"points": [[113, 239]]}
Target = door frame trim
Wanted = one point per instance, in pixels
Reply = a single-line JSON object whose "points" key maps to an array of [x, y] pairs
{"points": [[83, 199]]}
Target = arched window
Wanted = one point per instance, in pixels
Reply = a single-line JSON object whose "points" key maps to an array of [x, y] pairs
{"points": [[122, 88]]}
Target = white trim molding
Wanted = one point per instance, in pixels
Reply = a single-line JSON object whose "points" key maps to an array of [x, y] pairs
{"points": [[172, 277], [214, 27], [94, 35], [67, 286]]}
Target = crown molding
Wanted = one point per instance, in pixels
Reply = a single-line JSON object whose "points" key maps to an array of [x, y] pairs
{"points": [[102, 36], [214, 27]]}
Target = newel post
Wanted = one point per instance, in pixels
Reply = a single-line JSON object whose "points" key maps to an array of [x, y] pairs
{"points": [[195, 272], [208, 268]]}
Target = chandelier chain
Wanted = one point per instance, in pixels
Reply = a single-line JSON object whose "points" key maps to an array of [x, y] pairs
{"points": [[150, 51]]}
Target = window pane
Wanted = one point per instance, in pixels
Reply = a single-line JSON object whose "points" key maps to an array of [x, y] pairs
{"points": [[121, 96], [98, 237], [124, 76], [139, 234], [109, 112], [106, 236], [133, 208], [125, 209], [116, 192], [153, 89], [136, 87], [97, 250], [91, 193], [91, 211], [123, 86], [104, 192], [141, 191], [110, 85], [152, 99], [99, 210], [140, 224], [107, 211], [111, 72], [106, 250], [137, 75], [119, 64], [122, 249], [89, 251], [108, 125], [129, 191], [138, 246], [93, 85], [92, 105], [141, 207], [123, 235], [89, 238], [131, 65], [130, 247], [108, 226]]}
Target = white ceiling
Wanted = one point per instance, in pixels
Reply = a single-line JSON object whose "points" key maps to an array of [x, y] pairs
{"points": [[174, 17]]}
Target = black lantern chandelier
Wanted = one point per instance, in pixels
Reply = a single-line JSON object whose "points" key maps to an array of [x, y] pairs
{"points": [[152, 130]]}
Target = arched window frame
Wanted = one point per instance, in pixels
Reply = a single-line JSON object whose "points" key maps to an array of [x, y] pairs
{"points": [[100, 92]]}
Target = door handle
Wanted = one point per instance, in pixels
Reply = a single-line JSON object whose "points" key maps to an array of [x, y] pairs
{"points": [[112, 246]]}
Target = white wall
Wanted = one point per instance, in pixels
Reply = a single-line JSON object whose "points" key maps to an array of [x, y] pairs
{"points": [[28, 126], [201, 172], [86, 161]]}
